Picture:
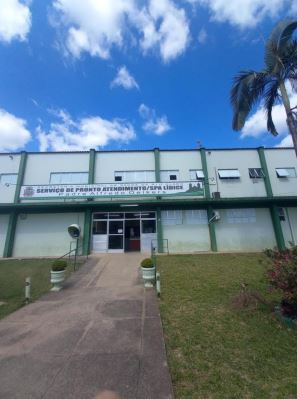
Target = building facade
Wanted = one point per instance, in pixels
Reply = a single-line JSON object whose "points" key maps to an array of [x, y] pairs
{"points": [[177, 200]]}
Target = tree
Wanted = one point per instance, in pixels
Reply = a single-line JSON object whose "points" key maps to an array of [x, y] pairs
{"points": [[269, 85]]}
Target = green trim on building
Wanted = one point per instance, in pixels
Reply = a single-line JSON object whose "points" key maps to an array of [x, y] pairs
{"points": [[159, 232], [9, 241], [265, 170], [159, 219], [212, 230], [87, 232], [88, 213], [92, 166], [211, 225], [12, 222], [277, 228], [205, 172], [157, 164], [21, 174]]}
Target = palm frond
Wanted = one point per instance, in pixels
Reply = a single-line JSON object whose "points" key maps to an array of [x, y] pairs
{"points": [[247, 88], [277, 44], [270, 98]]}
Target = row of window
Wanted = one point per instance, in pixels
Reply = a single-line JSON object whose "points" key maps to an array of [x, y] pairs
{"points": [[144, 176], [196, 174], [199, 216]]}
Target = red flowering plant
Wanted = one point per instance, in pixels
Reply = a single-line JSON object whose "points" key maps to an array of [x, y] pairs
{"points": [[282, 276]]}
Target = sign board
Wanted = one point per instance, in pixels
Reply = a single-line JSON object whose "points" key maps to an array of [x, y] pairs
{"points": [[112, 190]]}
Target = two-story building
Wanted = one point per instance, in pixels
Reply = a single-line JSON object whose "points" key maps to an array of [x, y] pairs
{"points": [[189, 200]]}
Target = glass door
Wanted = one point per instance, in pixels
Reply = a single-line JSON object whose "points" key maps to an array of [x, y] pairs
{"points": [[116, 236]]}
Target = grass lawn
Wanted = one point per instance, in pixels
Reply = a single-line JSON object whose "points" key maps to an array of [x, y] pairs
{"points": [[215, 351], [12, 281]]}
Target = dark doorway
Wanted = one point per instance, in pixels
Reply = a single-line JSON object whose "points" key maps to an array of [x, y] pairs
{"points": [[132, 235]]}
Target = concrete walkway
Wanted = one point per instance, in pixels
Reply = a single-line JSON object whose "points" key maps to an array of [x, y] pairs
{"points": [[103, 331]]}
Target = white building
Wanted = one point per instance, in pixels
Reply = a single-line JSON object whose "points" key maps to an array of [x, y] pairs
{"points": [[190, 200]]}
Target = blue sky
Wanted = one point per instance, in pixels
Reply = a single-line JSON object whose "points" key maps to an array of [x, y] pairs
{"points": [[128, 74]]}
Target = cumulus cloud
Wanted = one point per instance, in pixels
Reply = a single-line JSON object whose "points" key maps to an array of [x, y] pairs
{"points": [[15, 20], [124, 79], [256, 124], [286, 142], [152, 123], [14, 134], [83, 134], [164, 27], [95, 27], [245, 13]]}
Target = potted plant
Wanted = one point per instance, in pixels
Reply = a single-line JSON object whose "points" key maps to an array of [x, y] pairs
{"points": [[58, 274], [148, 272], [282, 276]]}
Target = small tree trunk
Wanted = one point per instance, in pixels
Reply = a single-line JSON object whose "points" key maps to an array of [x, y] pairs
{"points": [[291, 121]]}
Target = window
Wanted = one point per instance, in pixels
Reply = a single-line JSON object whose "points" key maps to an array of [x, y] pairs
{"points": [[236, 216], [69, 178], [169, 175], [285, 172], [196, 174], [148, 226], [171, 217], [135, 176], [256, 173], [100, 227], [8, 179], [229, 174], [196, 216]]}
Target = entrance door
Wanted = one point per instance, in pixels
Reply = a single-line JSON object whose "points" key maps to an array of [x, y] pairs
{"points": [[116, 236], [132, 235]]}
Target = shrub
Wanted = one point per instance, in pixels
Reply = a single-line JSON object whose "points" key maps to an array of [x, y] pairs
{"points": [[58, 265], [282, 273], [146, 263]]}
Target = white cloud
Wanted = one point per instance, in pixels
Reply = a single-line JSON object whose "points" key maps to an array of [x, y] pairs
{"points": [[13, 132], [244, 13], [256, 124], [15, 20], [152, 123], [83, 134], [95, 27], [202, 36], [124, 79], [164, 26], [286, 142]]}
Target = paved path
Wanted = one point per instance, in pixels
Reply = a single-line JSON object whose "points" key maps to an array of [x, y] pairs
{"points": [[103, 331]]}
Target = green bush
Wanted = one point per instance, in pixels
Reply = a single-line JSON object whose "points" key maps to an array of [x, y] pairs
{"points": [[147, 263], [59, 265]]}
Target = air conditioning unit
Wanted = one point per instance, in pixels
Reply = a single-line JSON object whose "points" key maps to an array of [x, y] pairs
{"points": [[216, 195]]}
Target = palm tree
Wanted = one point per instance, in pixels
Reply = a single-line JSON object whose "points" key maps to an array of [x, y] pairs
{"points": [[269, 85]]}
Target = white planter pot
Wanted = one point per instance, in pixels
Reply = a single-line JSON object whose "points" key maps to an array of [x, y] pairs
{"points": [[57, 279], [148, 275]]}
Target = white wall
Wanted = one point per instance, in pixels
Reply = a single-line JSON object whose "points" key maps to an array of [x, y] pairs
{"points": [[281, 158], [3, 231], [235, 159], [255, 236], [40, 166], [182, 161], [44, 234], [187, 237], [9, 163], [109, 162]]}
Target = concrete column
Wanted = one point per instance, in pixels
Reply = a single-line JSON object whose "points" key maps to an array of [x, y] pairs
{"points": [[12, 222], [211, 225]]}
